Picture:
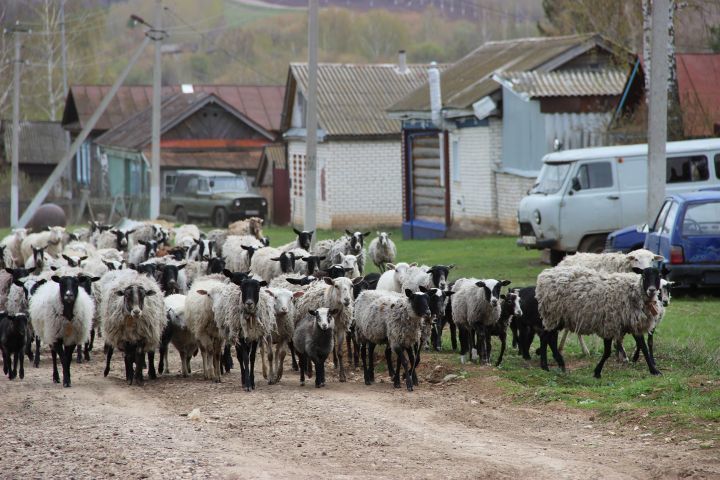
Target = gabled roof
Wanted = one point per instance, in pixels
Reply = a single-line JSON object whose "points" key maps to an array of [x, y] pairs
{"points": [[352, 99], [273, 156], [135, 132], [41, 143], [470, 79], [565, 83], [699, 92], [263, 104]]}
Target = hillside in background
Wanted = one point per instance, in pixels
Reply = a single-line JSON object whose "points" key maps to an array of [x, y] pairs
{"points": [[252, 41]]}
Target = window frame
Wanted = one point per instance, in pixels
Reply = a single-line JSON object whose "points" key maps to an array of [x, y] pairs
{"points": [[587, 166]]}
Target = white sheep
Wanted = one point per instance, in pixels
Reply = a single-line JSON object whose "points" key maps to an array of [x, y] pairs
{"points": [[134, 319], [202, 324], [236, 252], [335, 294], [12, 244], [609, 305], [394, 276], [282, 335], [61, 314], [177, 330], [428, 277], [219, 236], [615, 262], [269, 262], [51, 240], [382, 251], [186, 235], [350, 264]]}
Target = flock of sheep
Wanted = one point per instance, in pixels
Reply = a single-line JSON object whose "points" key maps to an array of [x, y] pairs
{"points": [[149, 285]]}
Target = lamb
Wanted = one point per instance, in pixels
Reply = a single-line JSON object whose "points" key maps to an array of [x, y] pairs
{"points": [[352, 244], [335, 294], [143, 251], [114, 238], [313, 340], [615, 262], [437, 300], [270, 262], [609, 305], [11, 244], [51, 240], [178, 333], [203, 325], [509, 309], [13, 340], [282, 335], [186, 235], [391, 318], [219, 236], [74, 261], [250, 226], [38, 260], [349, 263], [394, 276], [663, 302], [475, 308], [428, 277], [238, 252], [382, 251], [62, 314], [134, 319], [303, 240]]}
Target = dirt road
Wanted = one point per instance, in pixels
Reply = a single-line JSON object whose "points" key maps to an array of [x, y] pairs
{"points": [[461, 429]]}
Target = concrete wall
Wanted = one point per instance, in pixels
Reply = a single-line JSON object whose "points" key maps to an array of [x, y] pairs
{"points": [[359, 183], [511, 189]]}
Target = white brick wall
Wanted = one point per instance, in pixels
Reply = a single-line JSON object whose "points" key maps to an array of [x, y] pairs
{"points": [[363, 184], [511, 189]]}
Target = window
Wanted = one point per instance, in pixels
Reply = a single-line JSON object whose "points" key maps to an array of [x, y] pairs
{"points": [[192, 185], [661, 216], [551, 179], [687, 169], [595, 175], [455, 160], [170, 179], [203, 185], [717, 165], [702, 219], [670, 219]]}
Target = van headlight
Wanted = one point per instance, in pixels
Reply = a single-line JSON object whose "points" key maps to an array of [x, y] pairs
{"points": [[537, 217], [237, 202], [263, 202]]}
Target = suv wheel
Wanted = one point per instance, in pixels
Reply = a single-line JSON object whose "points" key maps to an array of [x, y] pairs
{"points": [[181, 215], [594, 244], [220, 218]]}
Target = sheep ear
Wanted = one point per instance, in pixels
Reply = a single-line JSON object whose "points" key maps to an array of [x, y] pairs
{"points": [[449, 293], [423, 289], [18, 283], [269, 292], [480, 284], [297, 232], [142, 242], [350, 234], [358, 280], [328, 280], [181, 266], [227, 272], [505, 283], [94, 279], [366, 234], [66, 257], [658, 258], [275, 259], [150, 293], [55, 279], [9, 270], [313, 313], [451, 266], [321, 258], [82, 259], [390, 266], [298, 294], [202, 292], [502, 296], [119, 293], [414, 264], [263, 283], [408, 293], [637, 270]]}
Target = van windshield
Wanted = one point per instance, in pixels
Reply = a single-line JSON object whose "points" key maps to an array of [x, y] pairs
{"points": [[229, 184], [551, 178]]}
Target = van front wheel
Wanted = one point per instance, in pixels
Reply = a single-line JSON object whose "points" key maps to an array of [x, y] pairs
{"points": [[593, 244]]}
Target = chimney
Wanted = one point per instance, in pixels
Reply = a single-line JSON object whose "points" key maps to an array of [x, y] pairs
{"points": [[402, 62], [435, 94]]}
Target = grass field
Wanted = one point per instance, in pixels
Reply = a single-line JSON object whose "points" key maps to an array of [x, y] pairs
{"points": [[687, 344]]}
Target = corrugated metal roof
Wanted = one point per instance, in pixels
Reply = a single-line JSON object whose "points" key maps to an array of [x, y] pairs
{"points": [[470, 79], [352, 99], [235, 160], [566, 83], [135, 132], [262, 104], [699, 91], [41, 143]]}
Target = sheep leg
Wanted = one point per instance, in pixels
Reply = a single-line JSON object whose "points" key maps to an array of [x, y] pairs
{"points": [[262, 358], [388, 361], [36, 360], [396, 376], [161, 362], [281, 352], [86, 351], [464, 344], [69, 350], [295, 366], [488, 346], [607, 350], [620, 351], [13, 371], [253, 352], [320, 373], [543, 350], [206, 367], [183, 364], [584, 347], [413, 365], [651, 334], [54, 351], [217, 360], [22, 363], [108, 356], [6, 362], [552, 340], [28, 347], [139, 359], [562, 339], [244, 364], [79, 354], [271, 359], [240, 356], [515, 338], [640, 340], [227, 359], [503, 340], [363, 356], [371, 359], [453, 334], [340, 341], [303, 362], [92, 338], [151, 364], [436, 335]]}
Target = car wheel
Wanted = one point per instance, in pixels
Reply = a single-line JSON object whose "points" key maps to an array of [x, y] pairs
{"points": [[181, 215], [594, 244], [556, 257], [220, 218]]}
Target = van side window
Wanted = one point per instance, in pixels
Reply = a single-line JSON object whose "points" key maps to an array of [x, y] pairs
{"points": [[595, 175], [192, 185], [687, 169], [717, 165]]}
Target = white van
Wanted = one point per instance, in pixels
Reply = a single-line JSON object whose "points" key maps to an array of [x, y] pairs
{"points": [[582, 195]]}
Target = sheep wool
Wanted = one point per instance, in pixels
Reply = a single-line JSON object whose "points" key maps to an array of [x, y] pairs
{"points": [[470, 306], [612, 262], [236, 257], [46, 312]]}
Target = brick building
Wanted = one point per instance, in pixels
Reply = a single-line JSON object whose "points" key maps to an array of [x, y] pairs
{"points": [[359, 153]]}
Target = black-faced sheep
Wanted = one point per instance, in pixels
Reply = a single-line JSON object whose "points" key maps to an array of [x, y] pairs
{"points": [[313, 339], [13, 341]]}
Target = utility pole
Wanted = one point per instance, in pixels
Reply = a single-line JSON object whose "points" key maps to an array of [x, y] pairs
{"points": [[15, 172], [311, 121], [156, 34], [657, 109], [63, 48]]}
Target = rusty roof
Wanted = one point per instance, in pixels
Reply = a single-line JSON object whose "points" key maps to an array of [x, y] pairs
{"points": [[699, 92], [263, 104], [470, 79], [209, 160], [352, 98], [134, 133], [565, 83], [41, 143]]}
